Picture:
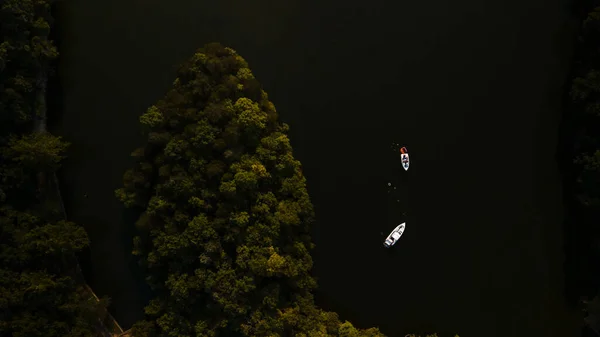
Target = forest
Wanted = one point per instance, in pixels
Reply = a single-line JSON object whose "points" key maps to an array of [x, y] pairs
{"points": [[40, 294]]}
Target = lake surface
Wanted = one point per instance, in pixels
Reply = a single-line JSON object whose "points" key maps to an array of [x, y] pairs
{"points": [[472, 88]]}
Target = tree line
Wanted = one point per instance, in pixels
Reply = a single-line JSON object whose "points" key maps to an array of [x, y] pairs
{"points": [[582, 143], [39, 291]]}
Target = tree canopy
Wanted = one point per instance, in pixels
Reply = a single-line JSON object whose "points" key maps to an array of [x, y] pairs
{"points": [[25, 54], [38, 293]]}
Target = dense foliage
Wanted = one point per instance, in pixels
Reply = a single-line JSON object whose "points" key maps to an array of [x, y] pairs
{"points": [[25, 53], [225, 212], [39, 295]]}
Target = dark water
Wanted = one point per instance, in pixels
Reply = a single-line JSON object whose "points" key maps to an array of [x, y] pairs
{"points": [[472, 88]]}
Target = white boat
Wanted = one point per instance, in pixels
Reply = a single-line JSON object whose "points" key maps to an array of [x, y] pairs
{"points": [[394, 235], [405, 158]]}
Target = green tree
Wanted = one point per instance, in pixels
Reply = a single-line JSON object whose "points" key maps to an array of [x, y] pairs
{"points": [[25, 53], [224, 230], [36, 151], [38, 294]]}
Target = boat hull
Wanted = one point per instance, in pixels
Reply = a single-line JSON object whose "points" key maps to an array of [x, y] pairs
{"points": [[389, 241], [405, 161]]}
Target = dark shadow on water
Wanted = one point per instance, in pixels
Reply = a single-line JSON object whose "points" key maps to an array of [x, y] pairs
{"points": [[581, 274], [564, 155], [55, 93], [56, 107], [580, 229], [55, 104], [130, 217]]}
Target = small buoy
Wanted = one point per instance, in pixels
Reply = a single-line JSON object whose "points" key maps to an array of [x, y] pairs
{"points": [[389, 184]]}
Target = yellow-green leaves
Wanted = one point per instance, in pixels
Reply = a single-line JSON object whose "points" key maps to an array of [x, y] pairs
{"points": [[231, 51], [37, 287], [178, 186], [294, 186], [594, 15], [219, 112], [183, 285], [56, 239], [168, 245], [590, 162], [275, 263], [247, 173], [196, 202], [265, 202], [37, 151], [245, 74], [174, 325], [4, 48], [23, 84], [200, 58], [228, 289], [287, 213], [152, 118], [176, 148], [250, 116], [199, 230], [228, 188], [241, 219], [262, 233], [202, 134], [259, 170], [158, 204], [39, 294], [245, 180], [153, 308], [348, 330]]}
